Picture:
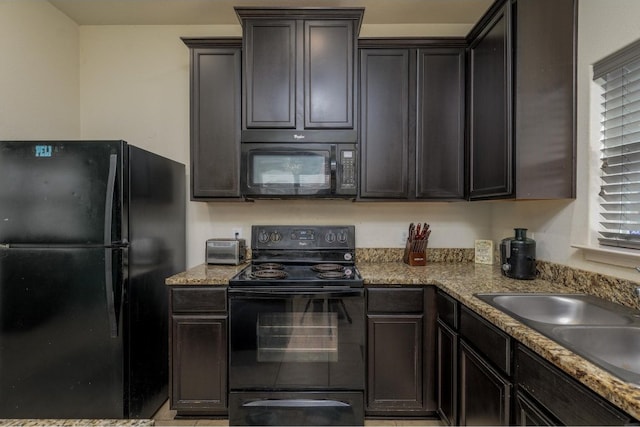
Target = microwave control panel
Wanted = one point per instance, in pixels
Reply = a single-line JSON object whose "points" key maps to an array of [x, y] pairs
{"points": [[349, 171]]}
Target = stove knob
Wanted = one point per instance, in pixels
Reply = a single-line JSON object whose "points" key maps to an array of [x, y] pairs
{"points": [[263, 236], [348, 256], [330, 237], [276, 237], [342, 237]]}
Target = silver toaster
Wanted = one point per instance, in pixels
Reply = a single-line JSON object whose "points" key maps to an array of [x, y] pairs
{"points": [[226, 251]]}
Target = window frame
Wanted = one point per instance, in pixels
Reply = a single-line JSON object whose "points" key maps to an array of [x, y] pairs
{"points": [[604, 72]]}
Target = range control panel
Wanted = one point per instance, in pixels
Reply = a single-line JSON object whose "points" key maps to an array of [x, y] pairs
{"points": [[303, 237]]}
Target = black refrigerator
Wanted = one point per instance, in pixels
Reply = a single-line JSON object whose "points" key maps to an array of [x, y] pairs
{"points": [[89, 230]]}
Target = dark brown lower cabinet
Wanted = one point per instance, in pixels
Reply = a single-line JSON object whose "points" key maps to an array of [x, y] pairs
{"points": [[485, 377], [400, 351], [198, 355], [528, 413], [485, 395], [395, 362], [546, 395], [447, 373]]}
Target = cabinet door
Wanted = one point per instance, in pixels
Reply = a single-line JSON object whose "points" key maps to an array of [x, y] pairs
{"points": [[441, 124], [563, 397], [328, 74], [484, 394], [215, 123], [384, 126], [270, 85], [395, 362], [528, 413], [544, 66], [447, 374], [199, 364], [490, 139]]}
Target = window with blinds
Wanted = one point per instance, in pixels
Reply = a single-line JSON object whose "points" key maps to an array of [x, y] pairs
{"points": [[619, 77]]}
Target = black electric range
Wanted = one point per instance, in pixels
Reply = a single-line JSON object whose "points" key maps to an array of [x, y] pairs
{"points": [[297, 329]]}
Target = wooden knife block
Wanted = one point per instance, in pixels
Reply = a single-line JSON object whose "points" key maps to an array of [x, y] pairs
{"points": [[417, 258], [414, 258]]}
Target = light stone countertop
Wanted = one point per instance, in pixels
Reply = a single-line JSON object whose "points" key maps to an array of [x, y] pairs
{"points": [[461, 280], [205, 274], [75, 423]]}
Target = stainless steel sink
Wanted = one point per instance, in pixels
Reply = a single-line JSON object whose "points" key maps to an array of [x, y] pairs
{"points": [[617, 347], [605, 333], [558, 309]]}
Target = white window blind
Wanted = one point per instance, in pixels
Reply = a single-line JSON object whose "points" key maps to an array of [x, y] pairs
{"points": [[619, 77]]}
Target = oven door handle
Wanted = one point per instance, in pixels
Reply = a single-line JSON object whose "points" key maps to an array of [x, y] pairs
{"points": [[296, 403], [298, 292]]}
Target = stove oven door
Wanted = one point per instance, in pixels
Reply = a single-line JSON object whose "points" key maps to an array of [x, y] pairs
{"points": [[288, 340]]}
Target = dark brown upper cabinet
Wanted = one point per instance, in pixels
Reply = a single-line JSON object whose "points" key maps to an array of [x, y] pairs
{"points": [[412, 126], [299, 70], [522, 101], [215, 96]]}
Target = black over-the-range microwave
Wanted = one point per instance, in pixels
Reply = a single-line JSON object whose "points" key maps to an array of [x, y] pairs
{"points": [[290, 170]]}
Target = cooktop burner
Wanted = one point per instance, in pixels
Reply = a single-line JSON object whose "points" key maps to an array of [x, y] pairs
{"points": [[334, 274], [327, 267], [261, 273], [269, 266]]}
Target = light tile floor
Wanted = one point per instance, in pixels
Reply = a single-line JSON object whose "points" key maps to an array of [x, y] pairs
{"points": [[165, 417]]}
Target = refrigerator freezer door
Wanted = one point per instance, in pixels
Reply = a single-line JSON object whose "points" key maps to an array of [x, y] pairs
{"points": [[58, 356], [67, 193]]}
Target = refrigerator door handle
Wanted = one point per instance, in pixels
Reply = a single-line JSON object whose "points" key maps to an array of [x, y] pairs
{"points": [[108, 258], [108, 204], [111, 306]]}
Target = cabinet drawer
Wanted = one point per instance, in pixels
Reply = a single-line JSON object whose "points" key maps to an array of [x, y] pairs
{"points": [[494, 344], [395, 300], [198, 300], [447, 310], [569, 401]]}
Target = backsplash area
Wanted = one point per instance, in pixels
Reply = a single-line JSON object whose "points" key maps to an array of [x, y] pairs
{"points": [[611, 288], [432, 254]]}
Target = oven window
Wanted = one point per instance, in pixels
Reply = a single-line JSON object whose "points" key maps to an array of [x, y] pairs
{"points": [[296, 342], [304, 168], [297, 337]]}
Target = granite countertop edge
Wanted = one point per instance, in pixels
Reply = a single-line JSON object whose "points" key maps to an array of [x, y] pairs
{"points": [[462, 281], [76, 422]]}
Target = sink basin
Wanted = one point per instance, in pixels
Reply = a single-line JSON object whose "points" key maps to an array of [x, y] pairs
{"points": [[559, 309], [605, 333], [616, 346]]}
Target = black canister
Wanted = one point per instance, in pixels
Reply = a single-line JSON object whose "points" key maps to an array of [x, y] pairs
{"points": [[518, 256]]}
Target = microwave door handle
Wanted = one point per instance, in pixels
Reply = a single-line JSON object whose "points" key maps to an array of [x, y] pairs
{"points": [[333, 167]]}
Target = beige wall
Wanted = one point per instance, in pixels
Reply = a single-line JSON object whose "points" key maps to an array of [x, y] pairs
{"points": [[58, 80], [39, 86]]}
